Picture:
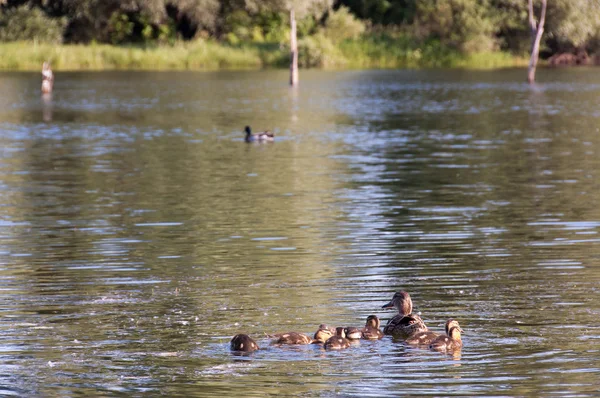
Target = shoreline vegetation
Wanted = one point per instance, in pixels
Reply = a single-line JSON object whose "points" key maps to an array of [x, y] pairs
{"points": [[330, 34], [367, 52]]}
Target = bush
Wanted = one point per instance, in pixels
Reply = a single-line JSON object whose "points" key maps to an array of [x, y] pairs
{"points": [[318, 52], [464, 25], [30, 24], [342, 25]]}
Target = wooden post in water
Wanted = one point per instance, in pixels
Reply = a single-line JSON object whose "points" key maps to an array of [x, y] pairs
{"points": [[294, 50], [47, 78], [536, 37]]}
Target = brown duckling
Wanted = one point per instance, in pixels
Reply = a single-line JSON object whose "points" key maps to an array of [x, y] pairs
{"points": [[243, 342], [323, 334], [371, 330], [265, 136], [422, 338], [452, 341], [405, 323], [352, 333], [291, 338], [337, 342]]}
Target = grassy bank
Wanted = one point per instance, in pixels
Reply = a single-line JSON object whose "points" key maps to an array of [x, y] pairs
{"points": [[366, 52]]}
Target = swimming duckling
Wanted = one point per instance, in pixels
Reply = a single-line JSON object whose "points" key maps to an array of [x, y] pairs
{"points": [[405, 323], [451, 342], [265, 136], [352, 333], [337, 342], [422, 338], [371, 330], [292, 338], [243, 342], [323, 334]]}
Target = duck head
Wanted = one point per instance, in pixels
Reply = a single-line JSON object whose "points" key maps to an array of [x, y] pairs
{"points": [[323, 334], [248, 130], [352, 333], [402, 302], [453, 329], [373, 321]]}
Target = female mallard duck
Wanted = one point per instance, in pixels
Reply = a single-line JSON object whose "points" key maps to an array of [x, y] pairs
{"points": [[405, 323], [371, 330], [243, 342], [352, 333], [337, 342], [452, 341], [265, 136], [323, 334], [291, 338]]}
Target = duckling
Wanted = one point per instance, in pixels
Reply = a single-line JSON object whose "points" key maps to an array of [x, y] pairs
{"points": [[371, 330], [337, 342], [421, 338], [405, 323], [243, 342], [452, 341], [292, 338], [323, 334], [265, 136], [352, 333]]}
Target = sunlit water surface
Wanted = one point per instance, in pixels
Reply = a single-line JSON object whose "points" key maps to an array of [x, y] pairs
{"points": [[139, 232]]}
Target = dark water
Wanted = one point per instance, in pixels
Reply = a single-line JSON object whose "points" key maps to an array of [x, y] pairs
{"points": [[138, 232]]}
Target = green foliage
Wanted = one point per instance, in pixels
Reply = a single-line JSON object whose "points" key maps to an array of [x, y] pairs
{"points": [[446, 29], [120, 27], [342, 25], [25, 23], [572, 23], [465, 25], [383, 12], [317, 52]]}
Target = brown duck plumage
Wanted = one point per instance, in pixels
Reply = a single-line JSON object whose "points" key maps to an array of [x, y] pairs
{"points": [[291, 338], [337, 342], [371, 330], [405, 323], [452, 341], [243, 342]]}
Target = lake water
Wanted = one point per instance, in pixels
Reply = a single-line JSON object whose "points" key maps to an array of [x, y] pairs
{"points": [[139, 232]]}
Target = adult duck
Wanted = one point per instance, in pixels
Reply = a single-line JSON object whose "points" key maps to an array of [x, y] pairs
{"points": [[265, 136], [405, 323]]}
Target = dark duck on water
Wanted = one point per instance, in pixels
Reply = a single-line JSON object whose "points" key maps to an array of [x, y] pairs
{"points": [[265, 136]]}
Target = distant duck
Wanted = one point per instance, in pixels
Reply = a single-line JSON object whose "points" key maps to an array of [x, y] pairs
{"points": [[323, 334], [405, 323], [291, 338], [265, 136], [243, 343], [452, 341], [47, 78], [371, 330], [337, 342], [352, 333]]}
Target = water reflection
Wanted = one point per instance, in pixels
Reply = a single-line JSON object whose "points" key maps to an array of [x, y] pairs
{"points": [[140, 233]]}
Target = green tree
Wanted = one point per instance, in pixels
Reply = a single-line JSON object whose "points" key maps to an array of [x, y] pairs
{"points": [[30, 23]]}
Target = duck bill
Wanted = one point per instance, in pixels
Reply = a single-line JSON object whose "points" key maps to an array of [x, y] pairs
{"points": [[389, 305]]}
